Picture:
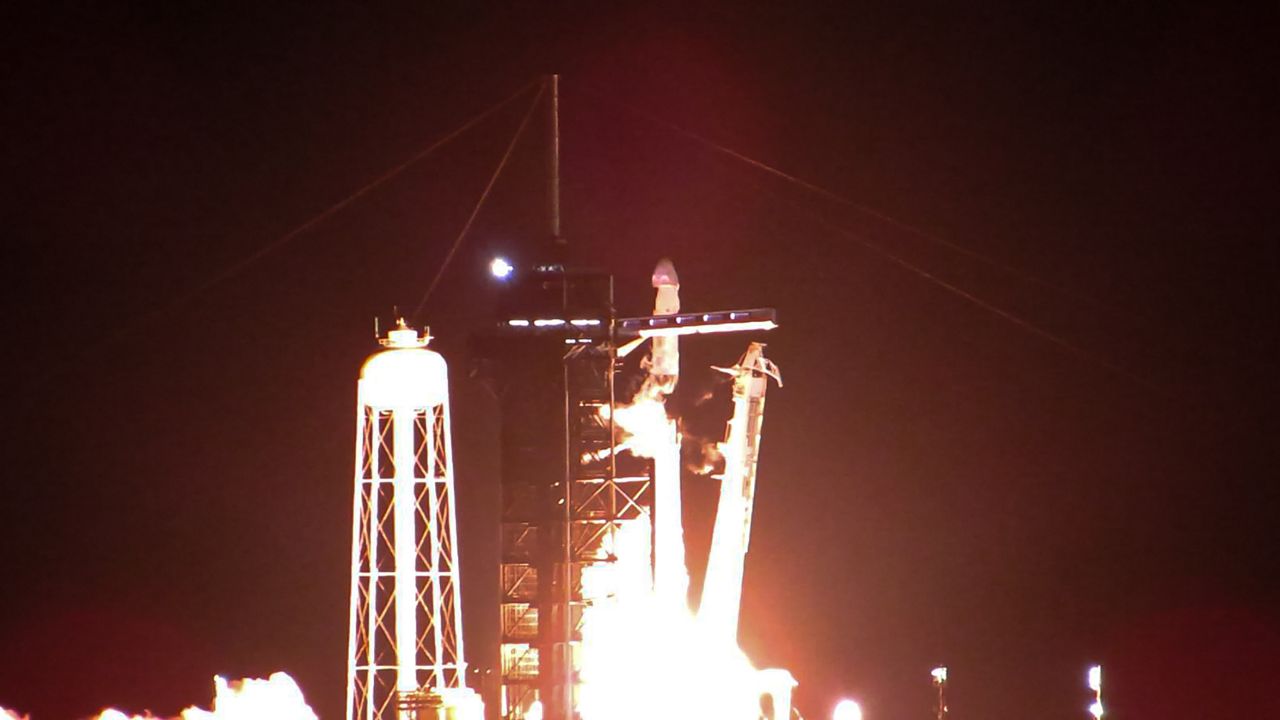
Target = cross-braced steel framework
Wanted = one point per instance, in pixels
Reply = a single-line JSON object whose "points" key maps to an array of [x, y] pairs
{"points": [[555, 527], [406, 623], [564, 493]]}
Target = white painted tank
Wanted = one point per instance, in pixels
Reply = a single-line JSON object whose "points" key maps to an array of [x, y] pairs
{"points": [[405, 375]]}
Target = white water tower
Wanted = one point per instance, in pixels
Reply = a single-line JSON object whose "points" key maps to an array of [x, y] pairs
{"points": [[405, 644]]}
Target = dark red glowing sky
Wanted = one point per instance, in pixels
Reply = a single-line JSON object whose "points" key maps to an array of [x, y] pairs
{"points": [[937, 484]]}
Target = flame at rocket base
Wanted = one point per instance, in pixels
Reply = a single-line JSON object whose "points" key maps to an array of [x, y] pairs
{"points": [[670, 574]]}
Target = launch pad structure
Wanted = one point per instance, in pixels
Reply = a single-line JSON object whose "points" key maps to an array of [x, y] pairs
{"points": [[566, 490], [563, 490], [567, 493]]}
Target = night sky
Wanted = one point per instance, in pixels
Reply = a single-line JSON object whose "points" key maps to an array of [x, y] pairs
{"points": [[938, 484]]}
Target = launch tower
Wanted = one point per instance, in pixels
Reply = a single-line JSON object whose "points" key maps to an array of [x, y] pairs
{"points": [[564, 493]]}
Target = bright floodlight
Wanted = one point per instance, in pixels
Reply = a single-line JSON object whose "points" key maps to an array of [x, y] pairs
{"points": [[500, 268], [1095, 678], [847, 710], [1096, 709], [939, 674]]}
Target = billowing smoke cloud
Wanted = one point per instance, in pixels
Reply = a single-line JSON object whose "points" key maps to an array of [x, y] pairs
{"points": [[276, 698], [702, 456]]}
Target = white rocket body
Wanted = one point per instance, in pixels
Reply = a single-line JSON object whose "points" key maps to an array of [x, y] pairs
{"points": [[665, 360]]}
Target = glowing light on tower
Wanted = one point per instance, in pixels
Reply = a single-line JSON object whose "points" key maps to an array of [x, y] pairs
{"points": [[500, 268], [405, 646], [1095, 684], [939, 675]]}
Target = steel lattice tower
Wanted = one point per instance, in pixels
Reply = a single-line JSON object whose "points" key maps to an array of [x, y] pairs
{"points": [[551, 363], [405, 643]]}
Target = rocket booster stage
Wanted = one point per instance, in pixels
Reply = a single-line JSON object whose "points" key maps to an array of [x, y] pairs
{"points": [[722, 587]]}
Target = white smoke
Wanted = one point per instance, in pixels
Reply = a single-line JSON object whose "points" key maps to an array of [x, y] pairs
{"points": [[276, 698], [706, 456]]}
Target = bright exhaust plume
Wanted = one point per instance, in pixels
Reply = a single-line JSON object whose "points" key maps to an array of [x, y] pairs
{"points": [[638, 630]]}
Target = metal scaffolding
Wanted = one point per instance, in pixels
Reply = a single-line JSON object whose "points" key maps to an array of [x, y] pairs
{"points": [[406, 621], [564, 492]]}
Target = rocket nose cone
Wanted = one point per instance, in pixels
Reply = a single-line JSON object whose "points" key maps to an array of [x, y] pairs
{"points": [[665, 274]]}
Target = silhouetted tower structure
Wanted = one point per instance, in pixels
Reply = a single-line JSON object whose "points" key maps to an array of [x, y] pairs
{"points": [[551, 360]]}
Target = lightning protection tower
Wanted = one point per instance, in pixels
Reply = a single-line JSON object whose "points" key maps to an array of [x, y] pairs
{"points": [[405, 644]]}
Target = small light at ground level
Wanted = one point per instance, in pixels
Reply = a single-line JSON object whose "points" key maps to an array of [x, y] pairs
{"points": [[847, 710]]}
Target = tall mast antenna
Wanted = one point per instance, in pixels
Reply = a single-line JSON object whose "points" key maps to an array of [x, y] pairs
{"points": [[553, 164]]}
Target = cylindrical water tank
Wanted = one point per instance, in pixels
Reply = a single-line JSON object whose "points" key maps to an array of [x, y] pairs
{"points": [[405, 375]]}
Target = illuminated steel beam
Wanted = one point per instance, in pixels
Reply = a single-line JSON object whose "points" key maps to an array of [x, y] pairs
{"points": [[698, 323]]}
